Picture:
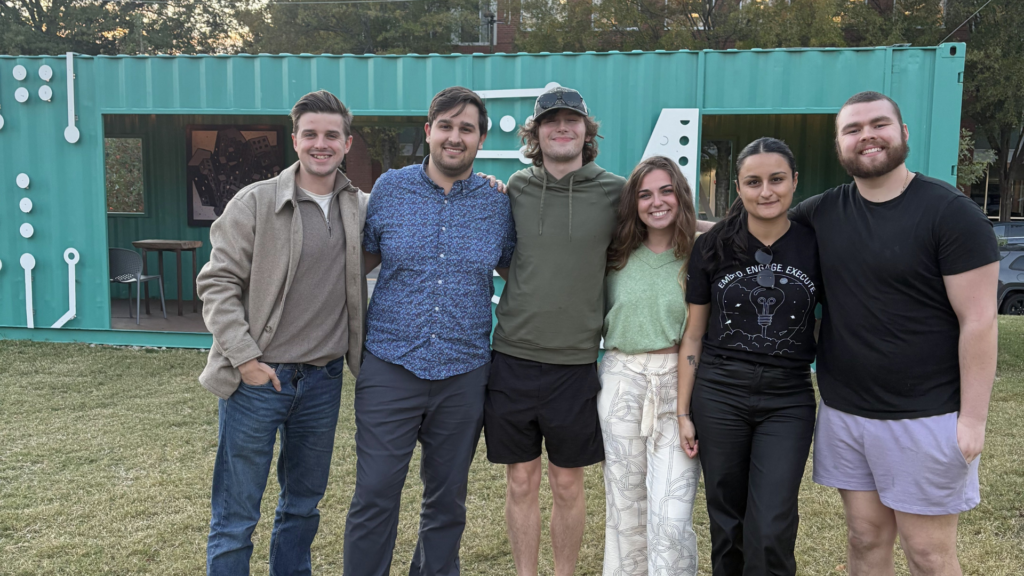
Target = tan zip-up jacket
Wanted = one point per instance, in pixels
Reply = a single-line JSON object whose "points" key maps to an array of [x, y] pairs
{"points": [[257, 243]]}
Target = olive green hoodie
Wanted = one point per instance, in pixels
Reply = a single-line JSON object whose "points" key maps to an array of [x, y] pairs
{"points": [[552, 308]]}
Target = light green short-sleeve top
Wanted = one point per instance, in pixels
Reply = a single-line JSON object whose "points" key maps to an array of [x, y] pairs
{"points": [[646, 308]]}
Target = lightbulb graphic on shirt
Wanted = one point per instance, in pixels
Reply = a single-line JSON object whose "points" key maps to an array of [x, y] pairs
{"points": [[766, 301]]}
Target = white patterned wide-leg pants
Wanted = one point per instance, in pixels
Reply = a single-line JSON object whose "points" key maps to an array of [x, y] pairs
{"points": [[650, 483]]}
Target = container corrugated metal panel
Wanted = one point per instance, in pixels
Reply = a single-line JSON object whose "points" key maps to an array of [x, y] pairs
{"points": [[626, 91]]}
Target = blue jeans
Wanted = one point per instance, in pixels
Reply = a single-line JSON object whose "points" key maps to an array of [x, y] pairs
{"points": [[305, 412]]}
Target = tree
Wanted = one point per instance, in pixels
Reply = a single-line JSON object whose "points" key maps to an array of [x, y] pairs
{"points": [[32, 27], [553, 26], [381, 143], [813, 23], [700, 24], [994, 85], [422, 27], [797, 23], [968, 171], [580, 25]]}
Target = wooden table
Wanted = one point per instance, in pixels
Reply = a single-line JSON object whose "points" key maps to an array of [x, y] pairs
{"points": [[176, 246]]}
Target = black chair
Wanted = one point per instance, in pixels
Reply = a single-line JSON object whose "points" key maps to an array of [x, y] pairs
{"points": [[126, 268]]}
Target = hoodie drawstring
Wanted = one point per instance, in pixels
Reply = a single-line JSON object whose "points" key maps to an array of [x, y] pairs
{"points": [[540, 218], [543, 190], [571, 178]]}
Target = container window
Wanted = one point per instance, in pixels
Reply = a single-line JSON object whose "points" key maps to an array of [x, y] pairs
{"points": [[123, 159]]}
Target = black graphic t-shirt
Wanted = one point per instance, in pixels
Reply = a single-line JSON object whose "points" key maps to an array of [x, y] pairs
{"points": [[771, 325]]}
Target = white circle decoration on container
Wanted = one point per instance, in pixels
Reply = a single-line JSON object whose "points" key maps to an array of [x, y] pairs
{"points": [[489, 123], [1, 121], [45, 93], [28, 261], [71, 134], [507, 123], [22, 180], [20, 73], [27, 230], [25, 205], [21, 94], [71, 256], [45, 73]]}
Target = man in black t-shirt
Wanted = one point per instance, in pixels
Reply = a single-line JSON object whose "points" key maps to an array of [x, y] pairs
{"points": [[907, 348]]}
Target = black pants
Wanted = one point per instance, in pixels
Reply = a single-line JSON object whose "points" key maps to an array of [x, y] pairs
{"points": [[754, 424], [394, 409]]}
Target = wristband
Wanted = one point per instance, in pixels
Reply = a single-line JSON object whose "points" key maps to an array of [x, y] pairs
{"points": [[683, 416]]}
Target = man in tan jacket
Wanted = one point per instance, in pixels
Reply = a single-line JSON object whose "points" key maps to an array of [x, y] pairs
{"points": [[284, 295]]}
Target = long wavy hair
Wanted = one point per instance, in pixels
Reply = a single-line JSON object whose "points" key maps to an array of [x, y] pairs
{"points": [[630, 231], [730, 233]]}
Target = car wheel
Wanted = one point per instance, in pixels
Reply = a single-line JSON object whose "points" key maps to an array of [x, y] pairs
{"points": [[1014, 304]]}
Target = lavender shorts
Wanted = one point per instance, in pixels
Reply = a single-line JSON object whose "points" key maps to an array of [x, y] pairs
{"points": [[915, 464]]}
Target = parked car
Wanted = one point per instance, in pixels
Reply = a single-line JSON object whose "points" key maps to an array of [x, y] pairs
{"points": [[1010, 295], [1010, 232]]}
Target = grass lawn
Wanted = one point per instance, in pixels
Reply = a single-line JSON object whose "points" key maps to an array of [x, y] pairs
{"points": [[106, 456]]}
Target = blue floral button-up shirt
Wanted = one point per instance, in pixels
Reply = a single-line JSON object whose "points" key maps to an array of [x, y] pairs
{"points": [[431, 308]]}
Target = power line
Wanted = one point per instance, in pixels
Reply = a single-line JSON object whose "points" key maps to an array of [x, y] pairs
{"points": [[966, 21]]}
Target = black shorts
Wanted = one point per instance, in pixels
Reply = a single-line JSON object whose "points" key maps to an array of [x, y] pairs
{"points": [[528, 402]]}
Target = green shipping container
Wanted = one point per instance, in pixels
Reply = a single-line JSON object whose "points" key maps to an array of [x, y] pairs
{"points": [[55, 229]]}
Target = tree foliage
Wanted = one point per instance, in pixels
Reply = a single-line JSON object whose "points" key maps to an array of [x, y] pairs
{"points": [[382, 144], [422, 27], [968, 170], [33, 27], [994, 84], [577, 25], [123, 162], [580, 25]]}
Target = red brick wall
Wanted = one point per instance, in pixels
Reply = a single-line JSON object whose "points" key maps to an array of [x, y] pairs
{"points": [[508, 22]]}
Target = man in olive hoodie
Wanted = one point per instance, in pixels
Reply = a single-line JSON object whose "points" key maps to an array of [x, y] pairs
{"points": [[543, 382]]}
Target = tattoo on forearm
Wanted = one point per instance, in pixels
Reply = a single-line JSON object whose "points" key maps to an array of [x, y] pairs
{"points": [[693, 362]]}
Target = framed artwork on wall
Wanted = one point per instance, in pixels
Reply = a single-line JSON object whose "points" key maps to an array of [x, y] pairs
{"points": [[224, 159]]}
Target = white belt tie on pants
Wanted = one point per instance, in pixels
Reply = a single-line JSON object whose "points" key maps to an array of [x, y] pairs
{"points": [[650, 483]]}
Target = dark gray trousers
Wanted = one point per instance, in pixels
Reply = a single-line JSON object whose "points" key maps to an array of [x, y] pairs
{"points": [[394, 409]]}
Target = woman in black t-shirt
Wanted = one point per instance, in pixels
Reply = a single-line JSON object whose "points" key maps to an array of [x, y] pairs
{"points": [[752, 287]]}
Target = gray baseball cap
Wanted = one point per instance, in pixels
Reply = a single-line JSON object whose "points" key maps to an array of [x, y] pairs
{"points": [[557, 98]]}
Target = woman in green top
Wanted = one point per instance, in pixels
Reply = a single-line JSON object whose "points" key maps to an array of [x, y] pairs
{"points": [[650, 481]]}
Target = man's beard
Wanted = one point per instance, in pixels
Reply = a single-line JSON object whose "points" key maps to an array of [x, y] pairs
{"points": [[450, 167], [895, 156]]}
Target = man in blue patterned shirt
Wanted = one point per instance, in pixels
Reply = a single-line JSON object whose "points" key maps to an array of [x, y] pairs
{"points": [[438, 231]]}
